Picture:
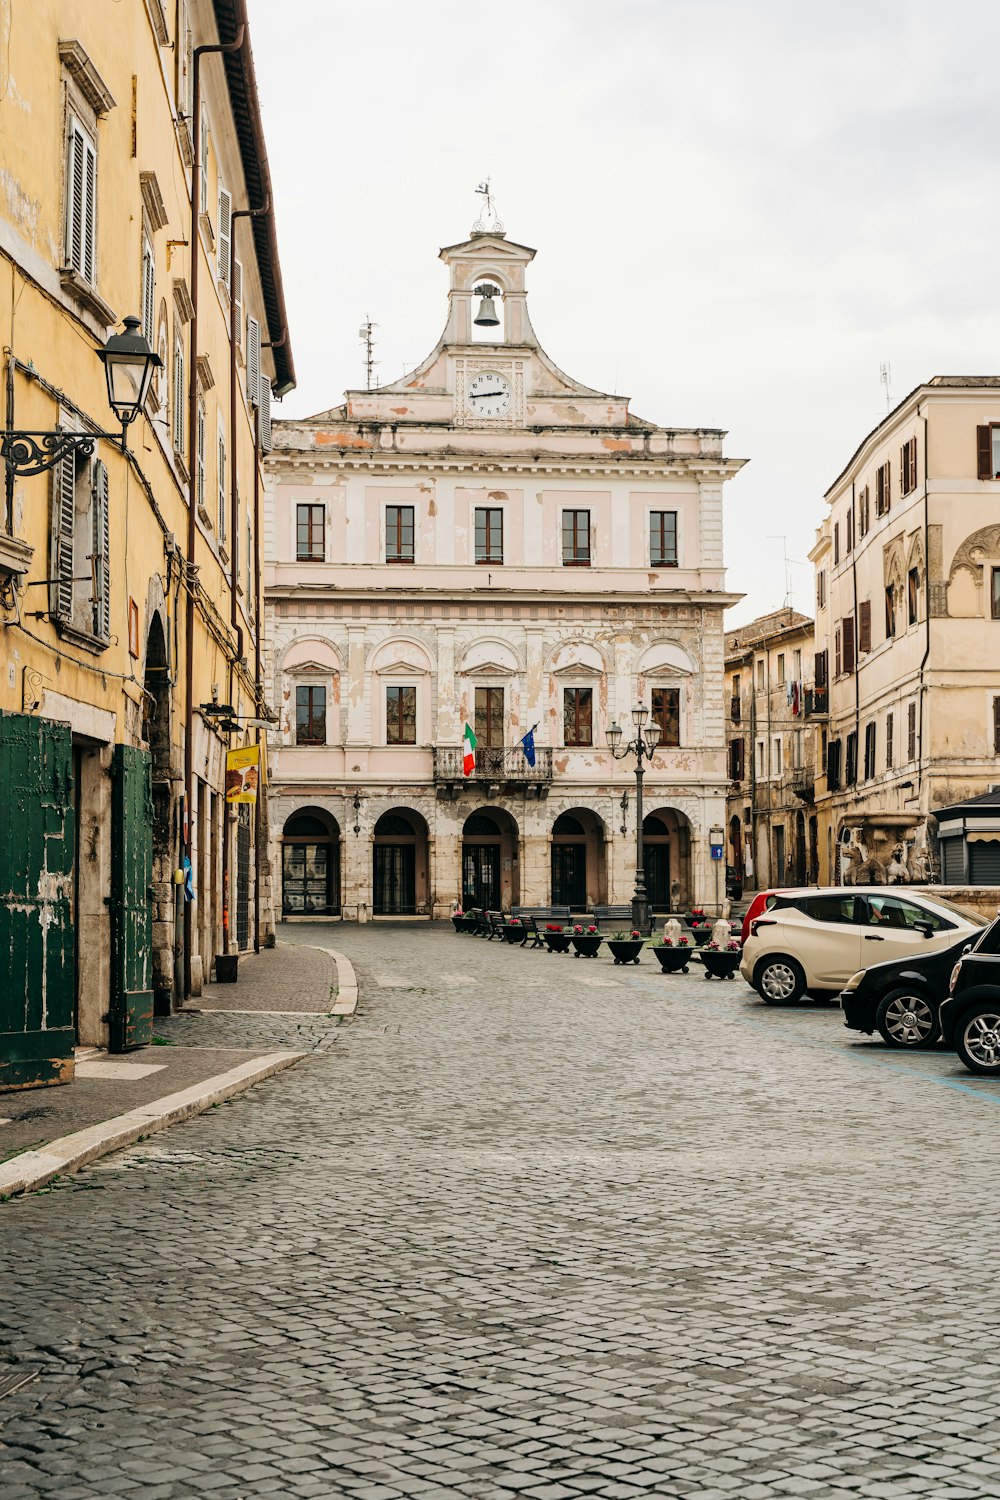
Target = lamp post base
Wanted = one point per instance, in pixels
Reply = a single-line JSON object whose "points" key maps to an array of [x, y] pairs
{"points": [[640, 913]]}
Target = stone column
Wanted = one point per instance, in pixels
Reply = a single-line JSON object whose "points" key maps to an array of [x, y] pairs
{"points": [[357, 732]]}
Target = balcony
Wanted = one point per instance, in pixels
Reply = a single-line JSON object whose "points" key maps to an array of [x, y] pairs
{"points": [[802, 780], [817, 705], [734, 710], [496, 768]]}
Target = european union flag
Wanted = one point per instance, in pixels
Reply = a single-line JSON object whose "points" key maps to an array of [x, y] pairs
{"points": [[528, 746]]}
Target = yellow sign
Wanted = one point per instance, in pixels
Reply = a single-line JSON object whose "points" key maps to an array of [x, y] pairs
{"points": [[242, 774]]}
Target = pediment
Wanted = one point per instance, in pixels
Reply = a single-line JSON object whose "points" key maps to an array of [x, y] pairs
{"points": [[311, 669], [400, 668], [577, 669], [488, 247], [489, 669]]}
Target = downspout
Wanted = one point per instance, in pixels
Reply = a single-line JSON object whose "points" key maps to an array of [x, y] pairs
{"points": [[857, 642], [927, 614], [192, 529], [258, 854]]}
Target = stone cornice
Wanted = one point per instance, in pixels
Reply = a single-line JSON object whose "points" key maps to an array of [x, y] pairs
{"points": [[320, 593], [472, 464]]}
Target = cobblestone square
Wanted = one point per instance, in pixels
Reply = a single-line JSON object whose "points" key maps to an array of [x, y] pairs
{"points": [[513, 1232]]}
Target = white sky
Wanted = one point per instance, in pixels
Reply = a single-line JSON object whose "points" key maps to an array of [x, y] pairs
{"points": [[740, 207]]}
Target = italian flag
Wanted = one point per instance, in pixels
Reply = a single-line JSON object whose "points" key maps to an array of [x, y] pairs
{"points": [[469, 752]]}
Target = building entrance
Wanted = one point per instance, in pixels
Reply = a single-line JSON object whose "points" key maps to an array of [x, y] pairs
{"points": [[569, 876], [394, 892]]}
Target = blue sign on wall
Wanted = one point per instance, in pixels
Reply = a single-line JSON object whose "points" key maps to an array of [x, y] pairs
{"points": [[716, 850]]}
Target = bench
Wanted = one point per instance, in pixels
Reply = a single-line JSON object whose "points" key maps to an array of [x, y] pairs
{"points": [[494, 925], [621, 916], [530, 916]]}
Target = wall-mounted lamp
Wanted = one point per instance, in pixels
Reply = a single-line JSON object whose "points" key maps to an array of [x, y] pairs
{"points": [[356, 804]]}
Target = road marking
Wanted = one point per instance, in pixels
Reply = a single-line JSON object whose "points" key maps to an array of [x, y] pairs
{"points": [[115, 1069], [390, 982]]}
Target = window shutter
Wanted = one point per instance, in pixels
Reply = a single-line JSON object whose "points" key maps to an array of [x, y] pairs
{"points": [[179, 397], [984, 453], [225, 235], [819, 669], [89, 210], [996, 726], [848, 625], [81, 172], [253, 361], [238, 300], [101, 563], [148, 293], [222, 488], [265, 415], [865, 626], [200, 458], [837, 652], [203, 153], [63, 518]]}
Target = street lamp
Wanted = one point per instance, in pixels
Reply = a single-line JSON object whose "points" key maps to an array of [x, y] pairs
{"points": [[643, 747], [129, 363]]}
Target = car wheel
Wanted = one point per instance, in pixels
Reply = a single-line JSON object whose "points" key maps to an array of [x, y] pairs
{"points": [[906, 1018], [780, 980], [978, 1039]]}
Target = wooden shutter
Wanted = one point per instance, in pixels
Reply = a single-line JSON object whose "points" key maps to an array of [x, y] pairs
{"points": [[63, 519], [222, 488], [200, 457], [996, 726], [148, 293], [838, 654], [101, 562], [848, 628], [225, 235], [179, 398], [984, 452], [819, 669], [865, 626], [911, 730], [80, 202], [265, 415], [253, 361], [836, 543], [238, 301]]}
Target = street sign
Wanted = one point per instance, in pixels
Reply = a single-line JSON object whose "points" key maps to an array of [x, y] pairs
{"points": [[716, 850]]}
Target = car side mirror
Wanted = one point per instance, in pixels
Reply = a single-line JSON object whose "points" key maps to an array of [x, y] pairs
{"points": [[925, 927]]}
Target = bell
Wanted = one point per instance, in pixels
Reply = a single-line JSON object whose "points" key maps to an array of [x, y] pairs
{"points": [[486, 317]]}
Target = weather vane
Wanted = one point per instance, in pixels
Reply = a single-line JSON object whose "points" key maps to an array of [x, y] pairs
{"points": [[482, 226]]}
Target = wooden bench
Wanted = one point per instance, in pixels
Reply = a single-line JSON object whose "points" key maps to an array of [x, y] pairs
{"points": [[621, 916], [530, 916], [494, 925]]}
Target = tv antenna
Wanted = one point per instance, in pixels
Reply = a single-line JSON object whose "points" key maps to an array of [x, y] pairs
{"points": [[788, 569], [366, 333], [885, 376]]}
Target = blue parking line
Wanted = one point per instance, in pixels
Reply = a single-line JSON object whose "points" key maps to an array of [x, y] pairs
{"points": [[981, 1091]]}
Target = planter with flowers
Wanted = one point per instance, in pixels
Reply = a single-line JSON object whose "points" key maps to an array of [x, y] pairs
{"points": [[556, 939], [626, 947], [513, 931], [720, 963], [586, 941], [463, 921], [673, 958]]}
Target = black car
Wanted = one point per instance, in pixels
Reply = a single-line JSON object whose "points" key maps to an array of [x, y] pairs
{"points": [[970, 1016], [900, 999]]}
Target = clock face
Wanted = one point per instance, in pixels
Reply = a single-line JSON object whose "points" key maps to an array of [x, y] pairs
{"points": [[489, 394]]}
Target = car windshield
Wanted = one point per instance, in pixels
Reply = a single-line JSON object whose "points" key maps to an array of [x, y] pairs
{"points": [[967, 913]]}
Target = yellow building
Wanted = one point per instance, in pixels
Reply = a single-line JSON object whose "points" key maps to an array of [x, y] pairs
{"points": [[135, 181]]}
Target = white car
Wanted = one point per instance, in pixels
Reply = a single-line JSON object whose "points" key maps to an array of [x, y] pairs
{"points": [[816, 939]]}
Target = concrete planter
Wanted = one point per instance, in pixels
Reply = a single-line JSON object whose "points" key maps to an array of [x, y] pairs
{"points": [[673, 960], [586, 944], [719, 964], [626, 950], [556, 942]]}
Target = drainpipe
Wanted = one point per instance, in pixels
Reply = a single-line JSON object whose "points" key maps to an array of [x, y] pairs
{"points": [[258, 853], [927, 614], [857, 642], [192, 530]]}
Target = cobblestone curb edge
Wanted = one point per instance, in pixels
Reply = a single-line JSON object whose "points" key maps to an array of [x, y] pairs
{"points": [[347, 982], [32, 1169]]}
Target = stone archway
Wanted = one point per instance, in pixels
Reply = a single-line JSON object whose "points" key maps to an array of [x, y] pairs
{"points": [[672, 836], [490, 873], [400, 864], [579, 860], [310, 864]]}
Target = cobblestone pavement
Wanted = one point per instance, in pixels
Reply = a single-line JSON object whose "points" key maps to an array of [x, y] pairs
{"points": [[533, 1226], [280, 978]]}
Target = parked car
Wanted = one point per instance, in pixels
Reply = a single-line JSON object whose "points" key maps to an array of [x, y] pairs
{"points": [[816, 939], [900, 998], [970, 1016]]}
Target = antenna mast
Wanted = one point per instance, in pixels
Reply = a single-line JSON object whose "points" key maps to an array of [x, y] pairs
{"points": [[885, 376], [366, 333], [788, 569]]}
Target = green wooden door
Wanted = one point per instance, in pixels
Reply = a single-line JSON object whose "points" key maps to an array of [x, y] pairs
{"points": [[37, 941], [131, 1008]]}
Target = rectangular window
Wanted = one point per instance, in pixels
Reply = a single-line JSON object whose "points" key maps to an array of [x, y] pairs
{"points": [[820, 668], [760, 675], [781, 668], [821, 589], [222, 488], [777, 757], [667, 713], [996, 726], [890, 731], [864, 626], [736, 760], [836, 543], [310, 715], [760, 760], [847, 625], [399, 534], [663, 538], [995, 593], [869, 750], [578, 716], [890, 613], [310, 533], [200, 457], [863, 511], [225, 241], [797, 751], [148, 293], [797, 664], [851, 760], [833, 753], [849, 532], [838, 652], [401, 716], [489, 534], [912, 596], [576, 538], [81, 201], [179, 393], [489, 717], [911, 731], [883, 488], [988, 451], [908, 466]]}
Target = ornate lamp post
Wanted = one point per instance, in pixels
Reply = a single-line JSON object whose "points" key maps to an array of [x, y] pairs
{"points": [[643, 747], [129, 363]]}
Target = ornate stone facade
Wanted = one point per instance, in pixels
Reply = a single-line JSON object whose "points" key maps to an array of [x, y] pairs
{"points": [[488, 542]]}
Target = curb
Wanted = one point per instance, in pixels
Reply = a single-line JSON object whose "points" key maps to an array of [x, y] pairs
{"points": [[347, 980], [33, 1169]]}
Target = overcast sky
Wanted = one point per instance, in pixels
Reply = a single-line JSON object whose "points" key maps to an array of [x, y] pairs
{"points": [[741, 209]]}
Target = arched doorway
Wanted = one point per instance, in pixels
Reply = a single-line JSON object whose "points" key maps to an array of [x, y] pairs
{"points": [[656, 861], [156, 733], [668, 860], [489, 860], [399, 864], [579, 869], [310, 864]]}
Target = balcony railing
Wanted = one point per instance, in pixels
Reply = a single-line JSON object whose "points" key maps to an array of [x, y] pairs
{"points": [[502, 764], [734, 710], [802, 781], [817, 702]]}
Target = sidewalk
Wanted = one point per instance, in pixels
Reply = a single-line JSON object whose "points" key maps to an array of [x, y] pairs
{"points": [[217, 1047]]}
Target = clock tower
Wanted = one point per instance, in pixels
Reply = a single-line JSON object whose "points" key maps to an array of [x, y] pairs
{"points": [[489, 542]]}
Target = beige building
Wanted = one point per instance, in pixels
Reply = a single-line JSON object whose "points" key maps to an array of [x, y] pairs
{"points": [[773, 735], [908, 636], [488, 541], [132, 150]]}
